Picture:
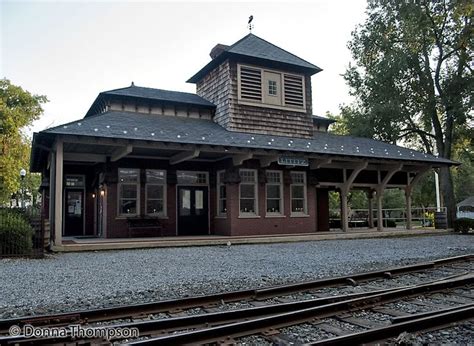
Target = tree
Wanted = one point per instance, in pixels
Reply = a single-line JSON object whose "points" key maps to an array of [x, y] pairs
{"points": [[18, 110], [413, 81]]}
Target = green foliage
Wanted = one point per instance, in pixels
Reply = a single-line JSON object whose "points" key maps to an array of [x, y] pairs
{"points": [[412, 72], [412, 79], [18, 109], [463, 225], [15, 233], [463, 175]]}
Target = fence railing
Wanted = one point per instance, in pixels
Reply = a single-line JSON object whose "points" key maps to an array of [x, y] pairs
{"points": [[396, 217], [21, 232]]}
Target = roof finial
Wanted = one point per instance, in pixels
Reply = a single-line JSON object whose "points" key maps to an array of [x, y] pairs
{"points": [[133, 84], [250, 23]]}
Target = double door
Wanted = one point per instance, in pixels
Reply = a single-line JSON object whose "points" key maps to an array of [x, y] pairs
{"points": [[193, 210]]}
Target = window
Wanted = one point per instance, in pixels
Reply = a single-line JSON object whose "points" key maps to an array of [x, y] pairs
{"points": [[298, 193], [192, 178], [128, 191], [268, 88], [155, 192], [274, 192], [272, 87], [221, 194], [248, 192]]}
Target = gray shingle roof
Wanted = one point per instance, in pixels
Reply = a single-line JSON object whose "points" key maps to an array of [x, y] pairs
{"points": [[152, 94], [254, 47], [162, 128], [161, 95]]}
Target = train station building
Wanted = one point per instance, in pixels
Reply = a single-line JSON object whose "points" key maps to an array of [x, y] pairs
{"points": [[244, 155]]}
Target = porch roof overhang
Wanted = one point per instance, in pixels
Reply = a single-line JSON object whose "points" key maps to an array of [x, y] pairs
{"points": [[113, 134]]}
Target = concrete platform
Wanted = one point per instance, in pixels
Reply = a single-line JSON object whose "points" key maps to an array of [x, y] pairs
{"points": [[73, 244]]}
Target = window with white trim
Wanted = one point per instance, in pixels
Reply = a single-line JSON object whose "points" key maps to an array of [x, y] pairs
{"points": [[274, 192], [128, 191], [248, 192], [298, 193], [155, 194], [221, 195], [269, 88]]}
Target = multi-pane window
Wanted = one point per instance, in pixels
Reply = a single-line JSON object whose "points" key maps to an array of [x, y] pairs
{"points": [[274, 193], [298, 193], [221, 194], [155, 192], [272, 87], [128, 191], [248, 192]]}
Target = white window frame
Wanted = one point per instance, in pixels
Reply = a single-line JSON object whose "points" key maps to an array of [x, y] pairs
{"points": [[220, 183], [164, 213], [255, 186], [280, 185], [264, 90], [119, 199], [305, 195]]}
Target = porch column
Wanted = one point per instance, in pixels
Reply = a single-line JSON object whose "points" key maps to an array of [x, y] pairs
{"points": [[408, 207], [344, 211], [408, 191], [379, 198], [58, 193], [370, 196], [391, 170], [345, 188]]}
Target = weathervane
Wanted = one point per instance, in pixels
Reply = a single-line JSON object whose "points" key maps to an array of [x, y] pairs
{"points": [[250, 23]]}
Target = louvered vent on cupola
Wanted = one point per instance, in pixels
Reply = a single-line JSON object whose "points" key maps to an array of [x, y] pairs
{"points": [[250, 84], [293, 86]]}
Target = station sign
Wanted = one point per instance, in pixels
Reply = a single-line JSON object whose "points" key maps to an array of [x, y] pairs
{"points": [[293, 161]]}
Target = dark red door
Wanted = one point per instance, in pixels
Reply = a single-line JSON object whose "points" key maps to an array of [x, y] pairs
{"points": [[193, 211]]}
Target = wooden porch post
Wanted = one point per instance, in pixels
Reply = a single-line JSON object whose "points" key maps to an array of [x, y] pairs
{"points": [[380, 189], [58, 194], [345, 188], [344, 211], [379, 198], [409, 190], [408, 207], [370, 196]]}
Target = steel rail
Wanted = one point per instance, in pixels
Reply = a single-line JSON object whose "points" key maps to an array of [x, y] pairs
{"points": [[204, 320], [218, 318], [253, 326], [125, 311], [434, 321], [401, 319]]}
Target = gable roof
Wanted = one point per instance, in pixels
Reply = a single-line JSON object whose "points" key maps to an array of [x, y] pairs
{"points": [[162, 128], [257, 49], [151, 94]]}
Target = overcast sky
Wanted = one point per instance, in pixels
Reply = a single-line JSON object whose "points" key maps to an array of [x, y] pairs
{"points": [[71, 51]]}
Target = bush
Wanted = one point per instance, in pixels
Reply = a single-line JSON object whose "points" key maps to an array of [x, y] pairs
{"points": [[463, 225], [15, 233]]}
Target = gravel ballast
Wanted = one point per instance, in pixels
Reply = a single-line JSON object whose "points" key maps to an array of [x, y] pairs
{"points": [[76, 281]]}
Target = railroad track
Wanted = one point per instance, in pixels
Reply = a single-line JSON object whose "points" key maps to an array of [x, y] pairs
{"points": [[273, 315]]}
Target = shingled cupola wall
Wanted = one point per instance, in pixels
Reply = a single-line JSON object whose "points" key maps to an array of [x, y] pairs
{"points": [[258, 87]]}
